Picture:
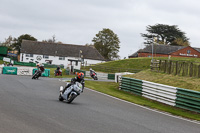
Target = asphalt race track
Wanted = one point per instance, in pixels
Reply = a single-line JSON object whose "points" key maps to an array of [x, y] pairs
{"points": [[32, 106]]}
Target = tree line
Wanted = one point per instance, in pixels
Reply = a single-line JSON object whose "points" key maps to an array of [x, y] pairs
{"points": [[107, 42]]}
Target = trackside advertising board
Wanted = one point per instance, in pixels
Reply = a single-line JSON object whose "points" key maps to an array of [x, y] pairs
{"points": [[10, 70]]}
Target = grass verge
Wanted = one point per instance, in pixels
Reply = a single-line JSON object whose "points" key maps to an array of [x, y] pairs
{"points": [[112, 89], [168, 79]]}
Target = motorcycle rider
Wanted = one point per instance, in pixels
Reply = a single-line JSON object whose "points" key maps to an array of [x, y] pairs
{"points": [[40, 69], [79, 78], [57, 69], [91, 72]]}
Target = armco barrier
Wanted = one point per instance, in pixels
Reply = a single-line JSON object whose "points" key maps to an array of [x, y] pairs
{"points": [[46, 72], [131, 85], [111, 76], [10, 70], [188, 99], [182, 98], [24, 71], [159, 92]]}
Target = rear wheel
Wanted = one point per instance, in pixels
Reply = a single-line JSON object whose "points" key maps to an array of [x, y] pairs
{"points": [[60, 98]]}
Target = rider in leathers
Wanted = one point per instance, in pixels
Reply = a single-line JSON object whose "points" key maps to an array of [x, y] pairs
{"points": [[91, 72], [79, 78]]}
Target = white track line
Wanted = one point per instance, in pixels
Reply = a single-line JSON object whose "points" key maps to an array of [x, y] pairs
{"points": [[178, 117]]}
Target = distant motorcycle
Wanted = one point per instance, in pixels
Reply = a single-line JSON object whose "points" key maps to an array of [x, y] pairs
{"points": [[58, 73], [94, 76], [71, 92]]}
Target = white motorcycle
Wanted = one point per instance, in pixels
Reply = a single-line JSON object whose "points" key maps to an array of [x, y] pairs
{"points": [[71, 92]]}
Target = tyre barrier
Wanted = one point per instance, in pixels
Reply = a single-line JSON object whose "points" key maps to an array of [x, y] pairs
{"points": [[182, 98]]}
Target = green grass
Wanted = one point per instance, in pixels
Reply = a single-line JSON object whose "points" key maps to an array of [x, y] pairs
{"points": [[112, 89], [142, 63], [168, 79], [134, 63]]}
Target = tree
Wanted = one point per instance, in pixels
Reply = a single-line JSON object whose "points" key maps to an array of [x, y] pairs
{"points": [[18, 41], [165, 34], [107, 43], [8, 42]]}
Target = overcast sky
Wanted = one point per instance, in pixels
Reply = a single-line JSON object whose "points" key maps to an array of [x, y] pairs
{"points": [[77, 21]]}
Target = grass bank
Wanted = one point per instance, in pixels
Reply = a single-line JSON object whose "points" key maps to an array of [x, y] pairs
{"points": [[112, 89], [121, 65], [168, 79]]}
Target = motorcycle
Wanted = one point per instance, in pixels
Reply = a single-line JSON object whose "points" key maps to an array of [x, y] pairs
{"points": [[36, 75], [71, 92], [58, 73], [94, 76]]}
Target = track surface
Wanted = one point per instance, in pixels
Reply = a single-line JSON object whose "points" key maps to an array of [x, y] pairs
{"points": [[32, 106]]}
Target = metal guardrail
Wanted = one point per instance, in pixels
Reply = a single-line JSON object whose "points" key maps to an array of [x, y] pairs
{"points": [[131, 85], [159, 92], [182, 98], [188, 99]]}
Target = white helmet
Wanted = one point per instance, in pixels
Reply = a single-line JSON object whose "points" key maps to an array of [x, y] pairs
{"points": [[90, 69]]}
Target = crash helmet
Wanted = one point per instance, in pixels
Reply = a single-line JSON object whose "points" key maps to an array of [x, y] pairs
{"points": [[38, 65], [42, 64], [81, 75], [90, 69]]}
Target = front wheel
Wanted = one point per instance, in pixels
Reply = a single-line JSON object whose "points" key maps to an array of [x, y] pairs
{"points": [[71, 97]]}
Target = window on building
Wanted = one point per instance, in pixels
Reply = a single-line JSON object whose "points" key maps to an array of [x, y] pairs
{"points": [[61, 58], [29, 55], [45, 56], [76, 63], [188, 51]]}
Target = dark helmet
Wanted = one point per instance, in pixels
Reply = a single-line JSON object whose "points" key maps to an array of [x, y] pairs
{"points": [[81, 75]]}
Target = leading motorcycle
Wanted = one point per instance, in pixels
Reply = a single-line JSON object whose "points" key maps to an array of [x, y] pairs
{"points": [[71, 92], [36, 75]]}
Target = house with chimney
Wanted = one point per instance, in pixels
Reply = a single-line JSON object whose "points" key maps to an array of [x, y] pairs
{"points": [[70, 55]]}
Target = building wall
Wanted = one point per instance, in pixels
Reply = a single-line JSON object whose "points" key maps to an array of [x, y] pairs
{"points": [[186, 52], [55, 60], [150, 55]]}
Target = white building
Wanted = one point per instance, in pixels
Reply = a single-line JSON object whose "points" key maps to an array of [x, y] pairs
{"points": [[69, 55]]}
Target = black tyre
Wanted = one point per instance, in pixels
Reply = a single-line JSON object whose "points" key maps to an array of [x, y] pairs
{"points": [[34, 76], [71, 98], [60, 98]]}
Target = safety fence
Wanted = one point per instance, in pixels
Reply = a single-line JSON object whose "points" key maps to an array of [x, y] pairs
{"points": [[182, 98], [107, 69], [182, 68], [22, 71], [103, 76], [24, 64]]}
